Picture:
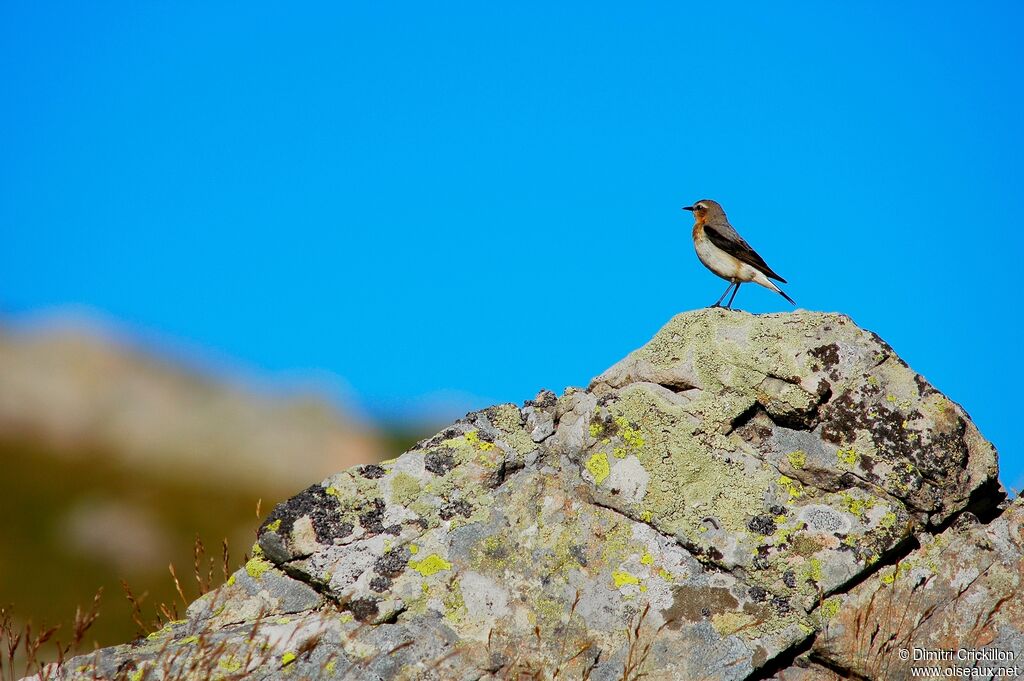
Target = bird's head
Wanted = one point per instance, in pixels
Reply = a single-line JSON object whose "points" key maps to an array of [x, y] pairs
{"points": [[705, 209]]}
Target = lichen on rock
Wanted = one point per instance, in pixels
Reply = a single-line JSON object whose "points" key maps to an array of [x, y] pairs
{"points": [[736, 491]]}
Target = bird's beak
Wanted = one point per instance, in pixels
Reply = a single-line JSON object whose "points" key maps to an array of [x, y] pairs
{"points": [[689, 208]]}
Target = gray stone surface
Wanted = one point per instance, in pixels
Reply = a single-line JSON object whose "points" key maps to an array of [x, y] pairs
{"points": [[730, 501]]}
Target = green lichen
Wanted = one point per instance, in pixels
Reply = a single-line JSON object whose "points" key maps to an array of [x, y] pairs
{"points": [[599, 467], [430, 565], [646, 559], [729, 623], [848, 457], [231, 580], [257, 566], [288, 658], [274, 526], [888, 520], [856, 505], [188, 640], [404, 489], [797, 459], [454, 604], [830, 607], [689, 474], [229, 663]]}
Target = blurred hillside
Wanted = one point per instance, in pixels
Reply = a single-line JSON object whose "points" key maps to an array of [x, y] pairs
{"points": [[112, 461]]}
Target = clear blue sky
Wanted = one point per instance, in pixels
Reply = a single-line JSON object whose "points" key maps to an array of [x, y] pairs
{"points": [[484, 197]]}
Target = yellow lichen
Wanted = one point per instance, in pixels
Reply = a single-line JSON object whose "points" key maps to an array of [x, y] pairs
{"points": [[598, 467], [622, 578], [630, 435], [430, 565], [849, 457], [792, 487], [797, 459], [288, 658], [647, 558], [856, 505], [257, 566], [813, 570], [473, 438], [830, 607]]}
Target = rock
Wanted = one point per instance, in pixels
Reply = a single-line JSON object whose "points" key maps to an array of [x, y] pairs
{"points": [[730, 501]]}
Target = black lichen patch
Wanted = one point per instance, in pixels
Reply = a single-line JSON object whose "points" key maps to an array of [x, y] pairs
{"points": [[380, 584], [371, 471], [762, 524], [364, 609], [449, 433], [392, 563], [323, 510], [758, 594], [781, 605], [789, 579], [372, 520], [828, 355], [579, 552], [605, 426], [454, 508], [439, 461], [936, 453]]}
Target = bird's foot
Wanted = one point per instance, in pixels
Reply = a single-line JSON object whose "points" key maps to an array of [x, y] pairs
{"points": [[714, 306]]}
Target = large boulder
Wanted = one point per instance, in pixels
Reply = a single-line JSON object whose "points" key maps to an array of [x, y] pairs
{"points": [[730, 501]]}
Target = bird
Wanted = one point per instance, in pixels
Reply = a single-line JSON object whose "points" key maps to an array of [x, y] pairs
{"points": [[724, 252]]}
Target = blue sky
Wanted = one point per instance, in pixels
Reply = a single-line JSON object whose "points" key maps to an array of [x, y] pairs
{"points": [[481, 199]]}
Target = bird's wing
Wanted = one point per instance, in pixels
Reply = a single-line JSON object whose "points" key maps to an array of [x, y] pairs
{"points": [[734, 245]]}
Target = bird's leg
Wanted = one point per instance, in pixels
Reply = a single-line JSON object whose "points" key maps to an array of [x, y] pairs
{"points": [[735, 291], [719, 303]]}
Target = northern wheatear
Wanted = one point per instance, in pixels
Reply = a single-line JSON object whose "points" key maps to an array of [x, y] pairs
{"points": [[724, 252]]}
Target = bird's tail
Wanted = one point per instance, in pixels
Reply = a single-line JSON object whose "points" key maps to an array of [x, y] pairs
{"points": [[774, 287]]}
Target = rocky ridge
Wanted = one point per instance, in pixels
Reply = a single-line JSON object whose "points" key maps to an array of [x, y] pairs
{"points": [[744, 497]]}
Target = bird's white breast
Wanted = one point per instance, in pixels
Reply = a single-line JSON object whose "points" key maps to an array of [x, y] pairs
{"points": [[725, 265]]}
